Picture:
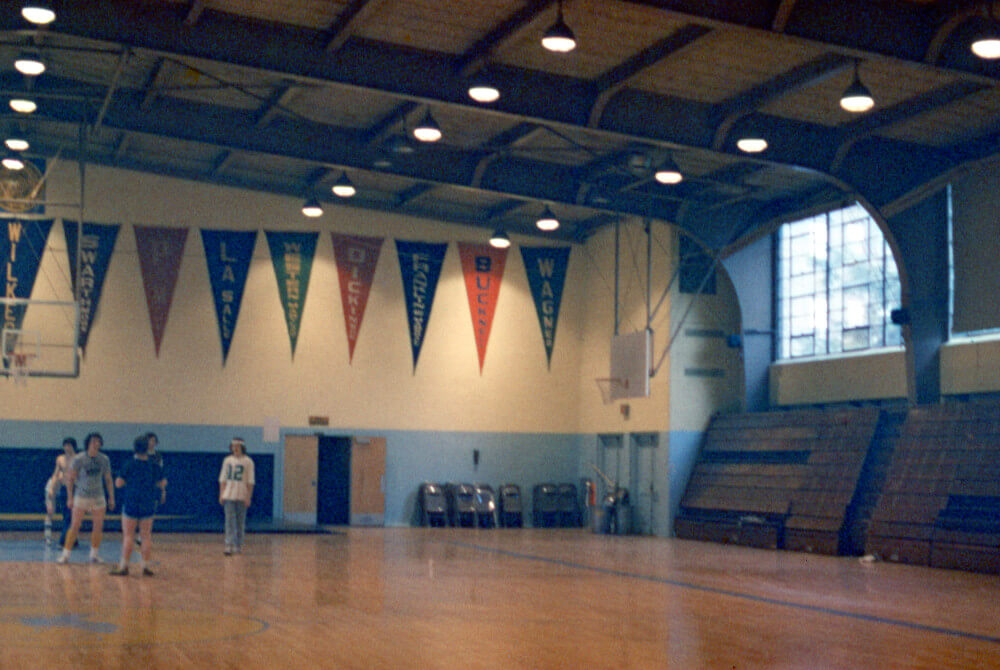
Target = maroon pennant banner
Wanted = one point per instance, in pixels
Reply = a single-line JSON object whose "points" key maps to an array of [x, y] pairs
{"points": [[160, 251], [356, 257], [482, 267]]}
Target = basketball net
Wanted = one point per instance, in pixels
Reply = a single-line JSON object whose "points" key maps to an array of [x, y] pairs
{"points": [[20, 367]]}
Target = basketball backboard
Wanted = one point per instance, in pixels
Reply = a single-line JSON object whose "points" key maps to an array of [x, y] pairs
{"points": [[631, 358], [44, 331]]}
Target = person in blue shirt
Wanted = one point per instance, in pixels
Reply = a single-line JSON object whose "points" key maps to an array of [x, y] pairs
{"points": [[143, 483]]}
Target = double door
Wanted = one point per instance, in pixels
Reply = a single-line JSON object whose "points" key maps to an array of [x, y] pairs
{"points": [[334, 480]]}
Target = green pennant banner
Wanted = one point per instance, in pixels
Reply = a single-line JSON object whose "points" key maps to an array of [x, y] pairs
{"points": [[292, 255]]}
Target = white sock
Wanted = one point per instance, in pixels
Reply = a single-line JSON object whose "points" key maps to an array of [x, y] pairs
{"points": [[93, 552], [65, 552]]}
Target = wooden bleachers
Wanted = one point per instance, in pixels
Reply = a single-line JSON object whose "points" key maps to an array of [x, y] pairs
{"points": [[920, 486], [781, 479], [921, 471]]}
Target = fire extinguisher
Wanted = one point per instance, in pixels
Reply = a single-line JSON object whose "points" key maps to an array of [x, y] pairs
{"points": [[591, 491]]}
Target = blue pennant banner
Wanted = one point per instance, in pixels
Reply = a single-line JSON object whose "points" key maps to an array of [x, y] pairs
{"points": [[228, 254], [21, 245], [420, 264], [96, 247], [292, 257], [546, 268]]}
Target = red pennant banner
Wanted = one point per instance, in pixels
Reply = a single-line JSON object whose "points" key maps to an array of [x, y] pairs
{"points": [[356, 257], [160, 251], [482, 267]]}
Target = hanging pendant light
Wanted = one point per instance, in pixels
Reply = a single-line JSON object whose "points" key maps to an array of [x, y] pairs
{"points": [[16, 142], [38, 12], [312, 208], [12, 161], [857, 98], [344, 187], [668, 172], [987, 43], [499, 239], [427, 130], [483, 91], [29, 62], [559, 38], [751, 144], [23, 105], [547, 221]]}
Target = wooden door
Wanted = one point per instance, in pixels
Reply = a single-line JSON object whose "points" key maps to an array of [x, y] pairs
{"points": [[368, 481], [301, 458]]}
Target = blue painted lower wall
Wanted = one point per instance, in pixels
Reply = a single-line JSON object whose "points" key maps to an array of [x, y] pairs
{"points": [[412, 457]]}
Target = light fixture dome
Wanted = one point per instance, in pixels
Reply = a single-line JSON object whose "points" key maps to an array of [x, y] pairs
{"points": [[29, 63], [751, 144], [23, 105], [986, 46], [668, 172], [857, 98], [344, 187], [427, 130], [499, 239], [16, 143], [483, 92], [547, 221], [559, 38], [987, 43], [12, 161], [38, 12], [312, 208]]}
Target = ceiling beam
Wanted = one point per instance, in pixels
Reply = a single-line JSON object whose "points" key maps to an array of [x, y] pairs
{"points": [[747, 102], [222, 163], [149, 89], [611, 81], [911, 107], [348, 21], [412, 194], [194, 12], [473, 59], [388, 124], [274, 103], [781, 15]]}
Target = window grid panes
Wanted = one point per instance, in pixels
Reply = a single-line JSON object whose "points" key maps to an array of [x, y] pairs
{"points": [[836, 285]]}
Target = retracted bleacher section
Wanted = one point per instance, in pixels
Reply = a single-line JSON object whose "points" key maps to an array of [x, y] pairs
{"points": [[777, 480], [941, 503], [918, 485]]}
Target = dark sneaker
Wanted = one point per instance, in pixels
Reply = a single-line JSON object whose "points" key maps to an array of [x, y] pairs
{"points": [[119, 571]]}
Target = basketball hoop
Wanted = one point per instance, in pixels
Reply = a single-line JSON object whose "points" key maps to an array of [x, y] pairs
{"points": [[608, 387]]}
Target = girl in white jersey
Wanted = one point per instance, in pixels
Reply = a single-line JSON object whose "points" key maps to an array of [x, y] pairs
{"points": [[236, 480]]}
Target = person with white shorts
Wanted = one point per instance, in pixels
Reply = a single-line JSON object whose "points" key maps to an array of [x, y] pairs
{"points": [[88, 475]]}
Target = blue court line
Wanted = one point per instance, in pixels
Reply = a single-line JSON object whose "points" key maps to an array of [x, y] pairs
{"points": [[926, 628]]}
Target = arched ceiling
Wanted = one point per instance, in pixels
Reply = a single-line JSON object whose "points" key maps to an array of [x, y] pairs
{"points": [[287, 96]]}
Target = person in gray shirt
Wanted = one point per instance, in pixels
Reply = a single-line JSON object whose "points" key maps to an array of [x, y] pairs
{"points": [[88, 475]]}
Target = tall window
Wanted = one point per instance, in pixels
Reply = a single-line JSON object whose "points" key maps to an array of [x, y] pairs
{"points": [[837, 283]]}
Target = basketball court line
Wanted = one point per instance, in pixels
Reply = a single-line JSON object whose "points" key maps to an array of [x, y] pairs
{"points": [[871, 618]]}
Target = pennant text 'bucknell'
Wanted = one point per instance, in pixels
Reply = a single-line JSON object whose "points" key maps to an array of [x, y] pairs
{"points": [[482, 267]]}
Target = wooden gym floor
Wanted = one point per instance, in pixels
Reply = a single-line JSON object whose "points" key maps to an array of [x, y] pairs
{"points": [[451, 598]]}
